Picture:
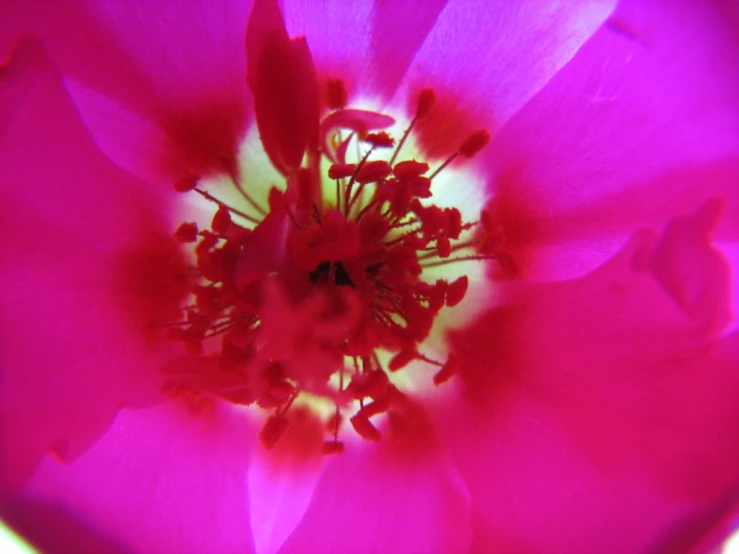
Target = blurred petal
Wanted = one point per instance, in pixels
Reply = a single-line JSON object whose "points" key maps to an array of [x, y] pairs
{"points": [[641, 124], [174, 69], [486, 59], [51, 529], [283, 82], [162, 480], [282, 481], [85, 262], [400, 496], [371, 43], [598, 402]]}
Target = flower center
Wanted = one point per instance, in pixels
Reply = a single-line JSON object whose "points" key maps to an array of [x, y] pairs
{"points": [[321, 293]]}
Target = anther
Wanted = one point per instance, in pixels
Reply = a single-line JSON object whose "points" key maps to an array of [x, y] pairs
{"points": [[187, 183], [456, 291], [426, 101], [341, 171], [336, 96], [187, 232], [273, 429], [381, 139], [474, 143], [448, 370]]}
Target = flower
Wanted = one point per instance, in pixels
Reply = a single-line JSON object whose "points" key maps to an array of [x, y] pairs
{"points": [[593, 401]]}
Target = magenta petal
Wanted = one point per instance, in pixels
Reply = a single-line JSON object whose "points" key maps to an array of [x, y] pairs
{"points": [[485, 60], [692, 270], [596, 405], [161, 480], [370, 500], [161, 84], [370, 44], [283, 82], [641, 124], [85, 264]]}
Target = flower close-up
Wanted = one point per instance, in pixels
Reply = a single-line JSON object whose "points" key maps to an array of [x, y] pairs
{"points": [[364, 276]]}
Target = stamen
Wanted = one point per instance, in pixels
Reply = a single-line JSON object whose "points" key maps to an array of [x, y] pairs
{"points": [[310, 287]]}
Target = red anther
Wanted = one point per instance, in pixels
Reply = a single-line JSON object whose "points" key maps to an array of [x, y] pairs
{"points": [[379, 406], [421, 187], [187, 232], [365, 429], [276, 200], [371, 384], [446, 372], [410, 169], [332, 447], [381, 139], [401, 198], [454, 222], [281, 390], [395, 398], [426, 100], [341, 171], [373, 171], [273, 429], [432, 220], [456, 291], [437, 297], [402, 359], [335, 94], [373, 227], [443, 247], [415, 242], [474, 143], [221, 220], [186, 183]]}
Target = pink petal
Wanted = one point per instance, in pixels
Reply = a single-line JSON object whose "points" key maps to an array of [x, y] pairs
{"points": [[161, 480], [641, 124], [86, 264], [161, 84], [368, 44], [282, 481], [399, 495], [282, 79], [485, 60], [597, 405]]}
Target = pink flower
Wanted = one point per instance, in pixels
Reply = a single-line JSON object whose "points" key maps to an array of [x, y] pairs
{"points": [[587, 381]]}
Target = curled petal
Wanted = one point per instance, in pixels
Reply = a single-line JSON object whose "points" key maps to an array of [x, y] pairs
{"points": [[358, 121]]}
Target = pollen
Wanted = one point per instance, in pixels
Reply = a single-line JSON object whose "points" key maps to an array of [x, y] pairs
{"points": [[321, 290]]}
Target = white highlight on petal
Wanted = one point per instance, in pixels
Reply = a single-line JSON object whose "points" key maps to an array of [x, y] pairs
{"points": [[10, 543], [279, 496]]}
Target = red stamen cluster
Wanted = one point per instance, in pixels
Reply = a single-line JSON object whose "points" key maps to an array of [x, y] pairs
{"points": [[318, 287]]}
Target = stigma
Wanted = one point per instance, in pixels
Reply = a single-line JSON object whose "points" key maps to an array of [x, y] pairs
{"points": [[319, 293]]}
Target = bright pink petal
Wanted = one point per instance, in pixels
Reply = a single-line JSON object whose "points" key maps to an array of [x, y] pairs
{"points": [[641, 124], [86, 264], [161, 84], [283, 82], [370, 44], [486, 59], [161, 480], [397, 496], [597, 405]]}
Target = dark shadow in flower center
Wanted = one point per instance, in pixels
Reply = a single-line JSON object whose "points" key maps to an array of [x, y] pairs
{"points": [[323, 275]]}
